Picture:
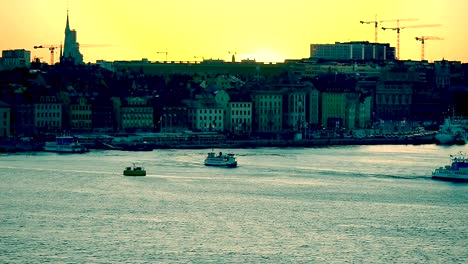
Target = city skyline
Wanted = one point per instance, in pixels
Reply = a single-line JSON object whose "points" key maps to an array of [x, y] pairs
{"points": [[267, 31]]}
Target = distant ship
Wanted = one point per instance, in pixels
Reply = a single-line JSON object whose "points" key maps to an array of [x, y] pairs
{"points": [[456, 171], [221, 160], [65, 144], [451, 133]]}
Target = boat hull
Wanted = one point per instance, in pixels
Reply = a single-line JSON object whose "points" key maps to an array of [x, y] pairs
{"points": [[450, 178], [230, 165], [65, 149], [134, 173]]}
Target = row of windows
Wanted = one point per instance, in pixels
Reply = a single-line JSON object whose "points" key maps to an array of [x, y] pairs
{"points": [[393, 99], [243, 105], [270, 104], [240, 121], [49, 107], [81, 116], [270, 111], [138, 117], [48, 124], [80, 108], [47, 114], [209, 118], [240, 112]]}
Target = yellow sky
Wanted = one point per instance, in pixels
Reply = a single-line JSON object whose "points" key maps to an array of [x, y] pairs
{"points": [[265, 30]]}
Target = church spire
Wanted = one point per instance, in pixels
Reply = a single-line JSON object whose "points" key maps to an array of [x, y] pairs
{"points": [[67, 27]]}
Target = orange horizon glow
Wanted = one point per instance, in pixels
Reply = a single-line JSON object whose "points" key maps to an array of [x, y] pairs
{"points": [[261, 30]]}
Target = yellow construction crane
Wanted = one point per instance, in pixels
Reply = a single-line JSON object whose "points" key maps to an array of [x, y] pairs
{"points": [[423, 39], [52, 50], [163, 52], [398, 29], [377, 22]]}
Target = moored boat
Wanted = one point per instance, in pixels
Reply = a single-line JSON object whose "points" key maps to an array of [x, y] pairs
{"points": [[134, 171], [451, 133], [221, 160], [457, 171], [65, 144]]}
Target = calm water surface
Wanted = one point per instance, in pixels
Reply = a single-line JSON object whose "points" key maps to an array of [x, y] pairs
{"points": [[358, 204]]}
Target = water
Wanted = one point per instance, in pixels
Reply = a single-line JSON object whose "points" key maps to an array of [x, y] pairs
{"points": [[371, 204]]}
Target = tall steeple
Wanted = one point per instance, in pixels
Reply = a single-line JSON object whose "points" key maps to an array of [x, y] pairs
{"points": [[67, 27], [71, 48]]}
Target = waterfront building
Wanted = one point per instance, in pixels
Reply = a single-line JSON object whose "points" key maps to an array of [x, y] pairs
{"points": [[80, 115], [394, 93], [48, 114], [137, 114], [339, 109], [24, 121], [313, 108], [102, 115], [206, 118], [17, 58], [364, 112], [239, 117], [5, 120], [71, 48], [173, 119], [268, 111], [295, 113], [354, 50]]}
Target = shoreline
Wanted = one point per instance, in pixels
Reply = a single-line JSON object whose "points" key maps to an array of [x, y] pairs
{"points": [[227, 144]]}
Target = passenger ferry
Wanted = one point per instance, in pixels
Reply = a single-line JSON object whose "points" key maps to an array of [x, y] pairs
{"points": [[134, 171], [65, 144], [457, 171], [221, 160]]}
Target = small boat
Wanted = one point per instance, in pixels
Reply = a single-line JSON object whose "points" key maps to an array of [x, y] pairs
{"points": [[221, 160], [457, 171], [134, 171], [452, 132], [65, 144]]}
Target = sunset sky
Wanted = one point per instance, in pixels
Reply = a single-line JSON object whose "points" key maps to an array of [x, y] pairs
{"points": [[265, 30]]}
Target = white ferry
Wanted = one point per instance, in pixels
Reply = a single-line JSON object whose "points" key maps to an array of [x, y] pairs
{"points": [[65, 144], [457, 171], [221, 160]]}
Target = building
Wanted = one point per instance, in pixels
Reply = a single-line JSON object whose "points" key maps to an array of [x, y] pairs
{"points": [[295, 106], [268, 111], [207, 119], [355, 50], [5, 125], [394, 93], [24, 120], [137, 114], [239, 117], [102, 115], [71, 48], [173, 119], [18, 58], [48, 114], [80, 115], [339, 110]]}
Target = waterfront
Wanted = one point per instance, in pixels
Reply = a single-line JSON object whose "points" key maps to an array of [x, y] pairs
{"points": [[368, 204]]}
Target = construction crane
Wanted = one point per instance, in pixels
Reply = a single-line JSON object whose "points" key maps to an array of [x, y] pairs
{"points": [[423, 39], [398, 29], [163, 52], [52, 50], [376, 23]]}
